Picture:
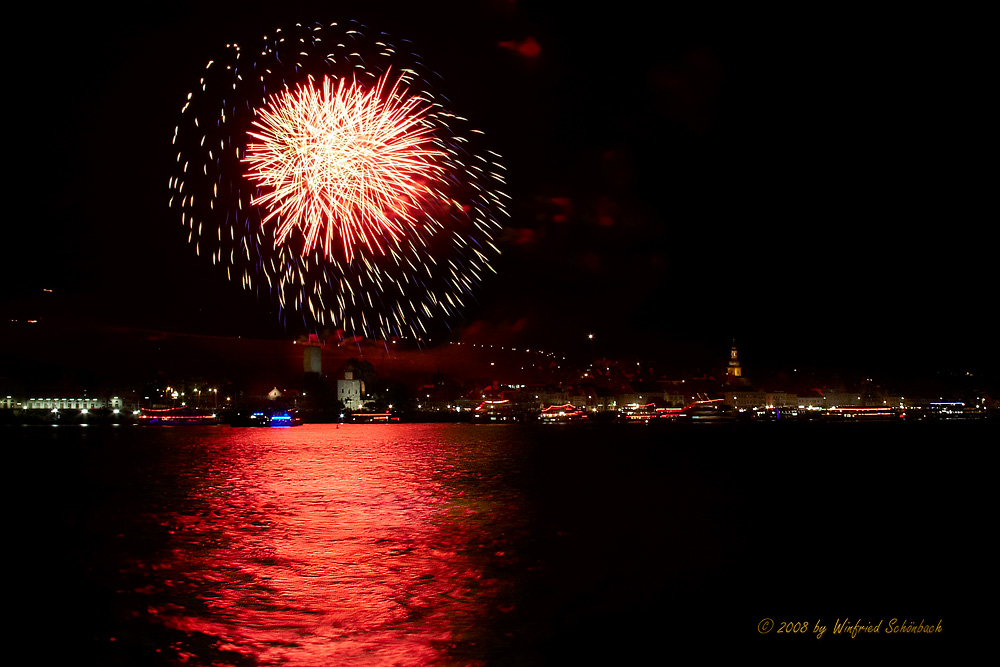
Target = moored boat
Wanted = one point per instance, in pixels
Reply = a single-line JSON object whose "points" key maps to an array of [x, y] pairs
{"points": [[176, 416], [285, 418], [714, 410]]}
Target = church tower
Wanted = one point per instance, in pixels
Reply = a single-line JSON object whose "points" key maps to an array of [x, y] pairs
{"points": [[734, 375]]}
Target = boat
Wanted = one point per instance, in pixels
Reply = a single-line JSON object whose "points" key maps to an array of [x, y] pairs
{"points": [[495, 411], [863, 413], [373, 418], [176, 416], [284, 418], [714, 410], [562, 414]]}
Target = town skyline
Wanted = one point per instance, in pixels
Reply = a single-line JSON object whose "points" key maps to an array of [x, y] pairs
{"points": [[146, 369]]}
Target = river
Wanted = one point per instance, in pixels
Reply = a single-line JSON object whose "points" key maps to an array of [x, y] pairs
{"points": [[417, 544]]}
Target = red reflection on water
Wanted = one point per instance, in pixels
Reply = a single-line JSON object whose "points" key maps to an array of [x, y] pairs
{"points": [[327, 546]]}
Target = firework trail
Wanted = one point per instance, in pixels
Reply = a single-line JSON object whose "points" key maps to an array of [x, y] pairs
{"points": [[325, 170]]}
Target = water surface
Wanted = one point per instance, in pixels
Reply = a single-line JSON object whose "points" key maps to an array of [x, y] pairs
{"points": [[459, 544]]}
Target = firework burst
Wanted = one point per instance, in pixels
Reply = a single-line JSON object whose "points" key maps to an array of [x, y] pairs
{"points": [[337, 160], [326, 171]]}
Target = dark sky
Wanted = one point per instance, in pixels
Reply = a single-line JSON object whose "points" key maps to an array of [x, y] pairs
{"points": [[810, 184]]}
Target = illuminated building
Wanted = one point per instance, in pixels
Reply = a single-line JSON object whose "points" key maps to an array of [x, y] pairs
{"points": [[841, 399], [811, 399], [350, 391], [85, 403], [781, 399], [744, 398]]}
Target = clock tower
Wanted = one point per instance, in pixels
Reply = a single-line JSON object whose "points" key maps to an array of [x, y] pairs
{"points": [[734, 375]]}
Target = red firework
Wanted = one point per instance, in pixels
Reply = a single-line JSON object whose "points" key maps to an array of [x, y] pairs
{"points": [[339, 160]]}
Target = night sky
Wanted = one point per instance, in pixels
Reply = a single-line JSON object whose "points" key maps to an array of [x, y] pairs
{"points": [[809, 184]]}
